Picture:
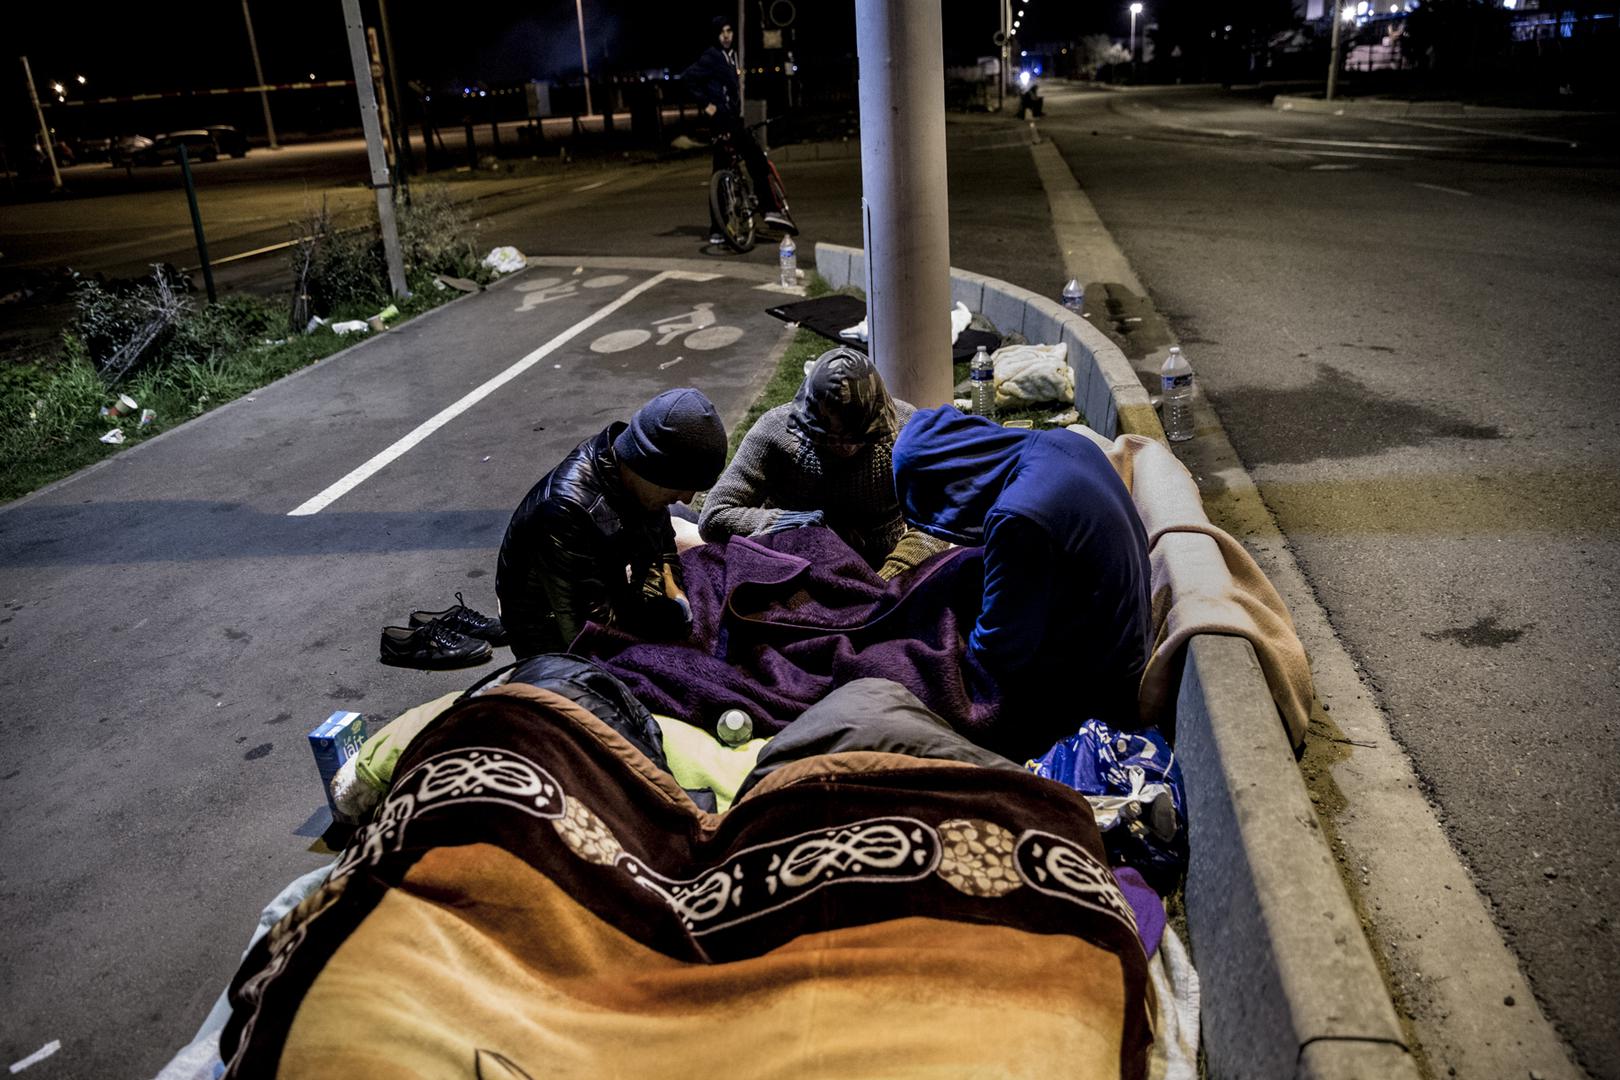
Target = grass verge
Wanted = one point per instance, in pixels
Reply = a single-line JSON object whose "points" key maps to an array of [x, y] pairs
{"points": [[195, 358]]}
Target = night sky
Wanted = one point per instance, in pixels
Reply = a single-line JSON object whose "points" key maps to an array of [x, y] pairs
{"points": [[124, 48]]}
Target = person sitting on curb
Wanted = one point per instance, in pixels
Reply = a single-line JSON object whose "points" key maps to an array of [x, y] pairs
{"points": [[821, 459], [592, 541], [1066, 615]]}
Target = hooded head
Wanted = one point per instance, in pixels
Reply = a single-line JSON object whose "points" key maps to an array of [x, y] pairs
{"points": [[950, 468], [842, 406], [676, 441], [721, 27]]}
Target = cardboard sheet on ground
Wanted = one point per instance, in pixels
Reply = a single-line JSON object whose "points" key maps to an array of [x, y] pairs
{"points": [[828, 315]]}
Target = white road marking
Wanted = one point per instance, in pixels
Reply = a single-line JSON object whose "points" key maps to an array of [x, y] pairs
{"points": [[1341, 153], [37, 1056], [714, 337], [605, 281], [360, 475], [588, 187], [667, 364], [1331, 168], [1441, 187], [619, 340], [1476, 131], [1355, 145]]}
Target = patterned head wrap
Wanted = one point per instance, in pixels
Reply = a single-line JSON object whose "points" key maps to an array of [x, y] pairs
{"points": [[843, 401]]}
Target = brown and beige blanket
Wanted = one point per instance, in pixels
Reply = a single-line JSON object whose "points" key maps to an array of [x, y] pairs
{"points": [[535, 899]]}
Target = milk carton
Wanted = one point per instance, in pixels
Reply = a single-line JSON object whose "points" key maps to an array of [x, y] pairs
{"points": [[337, 739]]}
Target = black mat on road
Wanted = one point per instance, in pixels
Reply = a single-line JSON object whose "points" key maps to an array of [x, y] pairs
{"points": [[827, 315]]}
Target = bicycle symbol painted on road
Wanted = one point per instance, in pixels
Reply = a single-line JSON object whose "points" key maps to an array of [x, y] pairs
{"points": [[544, 290], [698, 327]]}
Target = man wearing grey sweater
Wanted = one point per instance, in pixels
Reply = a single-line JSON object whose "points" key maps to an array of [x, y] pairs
{"points": [[822, 459]]}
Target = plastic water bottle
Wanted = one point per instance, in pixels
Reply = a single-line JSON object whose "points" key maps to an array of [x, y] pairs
{"points": [[982, 375], [1176, 382], [734, 728], [788, 256], [1074, 295]]}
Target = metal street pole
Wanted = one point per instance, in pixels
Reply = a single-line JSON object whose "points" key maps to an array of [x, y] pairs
{"points": [[374, 149], [402, 128], [383, 120], [584, 60], [258, 72], [901, 52], [44, 128], [196, 223], [742, 60], [1333, 52]]}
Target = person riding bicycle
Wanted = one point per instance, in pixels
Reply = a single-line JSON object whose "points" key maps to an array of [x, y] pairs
{"points": [[713, 80]]}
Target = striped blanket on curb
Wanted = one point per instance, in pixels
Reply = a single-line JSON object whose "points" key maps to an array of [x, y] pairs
{"points": [[1204, 582], [535, 899]]}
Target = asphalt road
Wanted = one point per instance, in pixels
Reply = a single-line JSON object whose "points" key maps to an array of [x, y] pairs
{"points": [[170, 634], [1408, 330], [1410, 348]]}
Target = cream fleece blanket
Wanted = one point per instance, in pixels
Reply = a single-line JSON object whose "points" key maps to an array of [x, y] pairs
{"points": [[1204, 582]]}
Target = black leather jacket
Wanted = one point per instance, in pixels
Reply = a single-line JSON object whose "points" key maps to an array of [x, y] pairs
{"points": [[581, 549]]}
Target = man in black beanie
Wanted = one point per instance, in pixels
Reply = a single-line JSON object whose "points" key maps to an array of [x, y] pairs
{"points": [[592, 541]]}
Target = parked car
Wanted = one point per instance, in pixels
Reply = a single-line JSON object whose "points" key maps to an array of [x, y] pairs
{"points": [[92, 148], [126, 148], [230, 141], [199, 143]]}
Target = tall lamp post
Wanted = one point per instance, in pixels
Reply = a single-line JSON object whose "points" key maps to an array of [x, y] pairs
{"points": [[1340, 17], [584, 60], [1136, 9]]}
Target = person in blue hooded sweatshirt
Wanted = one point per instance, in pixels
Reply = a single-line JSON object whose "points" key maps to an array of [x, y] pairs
{"points": [[1065, 627]]}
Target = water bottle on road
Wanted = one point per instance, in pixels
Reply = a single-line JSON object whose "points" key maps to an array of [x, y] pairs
{"points": [[982, 376], [1176, 381], [788, 256], [1074, 295]]}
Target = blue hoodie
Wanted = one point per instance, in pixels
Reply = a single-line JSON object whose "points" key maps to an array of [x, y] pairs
{"points": [[1066, 611]]}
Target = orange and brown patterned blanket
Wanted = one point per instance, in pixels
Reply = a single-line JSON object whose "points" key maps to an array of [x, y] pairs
{"points": [[535, 899]]}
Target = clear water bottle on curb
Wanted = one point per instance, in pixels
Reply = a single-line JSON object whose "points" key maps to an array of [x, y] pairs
{"points": [[734, 728], [1176, 382], [1074, 295], [788, 256], [982, 377]]}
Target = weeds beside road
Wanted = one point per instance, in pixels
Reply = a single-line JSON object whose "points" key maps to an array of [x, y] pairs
{"points": [[202, 356]]}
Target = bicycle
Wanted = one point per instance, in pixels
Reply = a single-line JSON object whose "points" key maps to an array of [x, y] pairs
{"points": [[731, 193]]}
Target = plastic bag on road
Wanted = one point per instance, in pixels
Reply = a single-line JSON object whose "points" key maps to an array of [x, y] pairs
{"points": [[1027, 374], [505, 260], [1133, 783]]}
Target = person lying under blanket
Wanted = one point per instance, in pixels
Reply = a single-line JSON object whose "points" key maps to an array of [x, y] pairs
{"points": [[823, 459], [1067, 608]]}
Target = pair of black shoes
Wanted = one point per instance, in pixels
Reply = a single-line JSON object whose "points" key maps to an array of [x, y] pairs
{"points": [[455, 637]]}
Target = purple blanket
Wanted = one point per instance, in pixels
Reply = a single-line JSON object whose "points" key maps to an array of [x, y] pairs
{"points": [[780, 620]]}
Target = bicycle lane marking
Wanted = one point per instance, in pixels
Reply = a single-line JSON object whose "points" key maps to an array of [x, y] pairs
{"points": [[398, 449]]}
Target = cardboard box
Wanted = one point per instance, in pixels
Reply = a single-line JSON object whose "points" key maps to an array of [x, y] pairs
{"points": [[334, 741]]}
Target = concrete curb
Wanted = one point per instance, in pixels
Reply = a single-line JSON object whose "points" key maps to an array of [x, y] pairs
{"points": [[1401, 108], [1291, 989]]}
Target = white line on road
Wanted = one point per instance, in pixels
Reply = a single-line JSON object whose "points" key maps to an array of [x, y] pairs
{"points": [[1325, 167], [588, 187], [1441, 187], [444, 416], [37, 1056], [1340, 153], [1477, 131]]}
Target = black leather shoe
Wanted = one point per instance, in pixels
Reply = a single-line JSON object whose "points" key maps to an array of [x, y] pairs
{"points": [[432, 646], [464, 620]]}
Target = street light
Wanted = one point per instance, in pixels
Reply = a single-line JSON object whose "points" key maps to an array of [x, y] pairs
{"points": [[1136, 9]]}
